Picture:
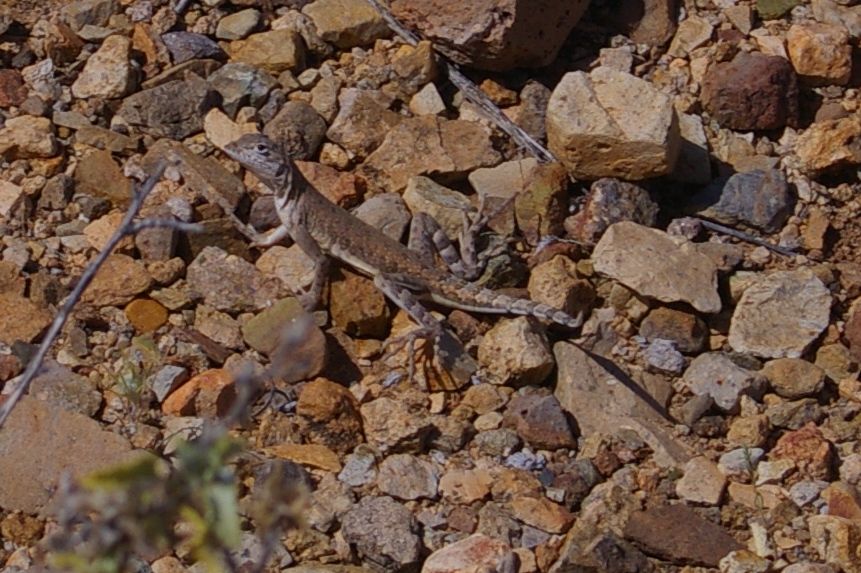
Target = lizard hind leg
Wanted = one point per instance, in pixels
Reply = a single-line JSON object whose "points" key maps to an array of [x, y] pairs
{"points": [[447, 350]]}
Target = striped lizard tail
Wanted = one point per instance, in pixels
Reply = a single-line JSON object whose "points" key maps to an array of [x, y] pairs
{"points": [[467, 296]]}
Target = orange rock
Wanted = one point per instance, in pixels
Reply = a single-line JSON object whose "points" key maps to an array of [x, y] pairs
{"points": [[808, 448], [217, 393], [180, 402], [312, 455], [146, 315]]}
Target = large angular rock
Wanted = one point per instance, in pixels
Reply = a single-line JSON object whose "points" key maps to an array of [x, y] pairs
{"points": [[108, 73], [347, 23], [651, 264], [174, 110], [496, 35], [612, 124]]}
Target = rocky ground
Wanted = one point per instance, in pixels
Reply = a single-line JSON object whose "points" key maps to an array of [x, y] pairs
{"points": [[706, 418]]}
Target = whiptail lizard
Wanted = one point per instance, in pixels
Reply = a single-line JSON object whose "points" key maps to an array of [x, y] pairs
{"points": [[405, 275]]}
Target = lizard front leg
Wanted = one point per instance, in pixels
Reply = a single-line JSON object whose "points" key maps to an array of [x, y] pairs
{"points": [[306, 242]]}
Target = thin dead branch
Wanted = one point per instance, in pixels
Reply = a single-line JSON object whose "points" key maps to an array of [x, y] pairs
{"points": [[127, 227]]}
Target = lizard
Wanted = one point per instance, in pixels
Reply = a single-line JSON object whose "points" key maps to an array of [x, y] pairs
{"points": [[405, 275]]}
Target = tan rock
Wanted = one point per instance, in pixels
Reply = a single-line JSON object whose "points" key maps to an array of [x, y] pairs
{"points": [[475, 553], [27, 137], [464, 487], [542, 514], [347, 23], [119, 280], [329, 415], [20, 319], [556, 283], [837, 540], [516, 351], [820, 53], [275, 51], [312, 455], [357, 306], [108, 73], [702, 482], [597, 126], [829, 144]]}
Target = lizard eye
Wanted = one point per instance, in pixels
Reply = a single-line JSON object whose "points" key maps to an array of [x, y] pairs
{"points": [[261, 147]]}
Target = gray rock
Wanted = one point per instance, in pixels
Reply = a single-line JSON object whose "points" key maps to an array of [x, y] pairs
{"points": [[781, 315], [740, 462], [664, 356], [184, 46], [299, 128], [387, 212], [63, 388], [173, 110], [384, 531], [498, 443], [231, 284], [57, 192], [804, 493], [241, 85], [360, 468], [166, 380], [714, 374], [407, 477], [759, 199]]}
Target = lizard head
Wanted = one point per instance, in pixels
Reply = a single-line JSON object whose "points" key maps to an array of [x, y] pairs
{"points": [[265, 159]]}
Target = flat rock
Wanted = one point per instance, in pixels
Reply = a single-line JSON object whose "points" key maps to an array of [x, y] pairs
{"points": [[265, 331], [540, 421], [108, 73], [589, 388], [238, 25], [686, 330], [473, 35], [444, 205], [185, 46], [97, 174], [781, 315], [40, 441], [540, 208], [231, 284], [651, 264], [357, 306], [451, 148], [758, 198], [794, 378], [118, 282], [612, 124], [390, 425], [677, 534], [173, 110]]}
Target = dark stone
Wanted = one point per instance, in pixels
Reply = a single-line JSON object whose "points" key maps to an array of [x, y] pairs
{"points": [[540, 421], [611, 201], [752, 92], [240, 85], [184, 46], [57, 192], [174, 110], [675, 533], [384, 531], [759, 199], [687, 330], [13, 92], [299, 128]]}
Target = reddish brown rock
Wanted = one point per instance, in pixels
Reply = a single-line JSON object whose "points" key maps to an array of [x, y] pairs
{"points": [[13, 92], [39, 442], [809, 449], [687, 330], [677, 534], [752, 92], [329, 415], [540, 421], [496, 35]]}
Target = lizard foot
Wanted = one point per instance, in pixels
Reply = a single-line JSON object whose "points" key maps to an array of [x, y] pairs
{"points": [[430, 338]]}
